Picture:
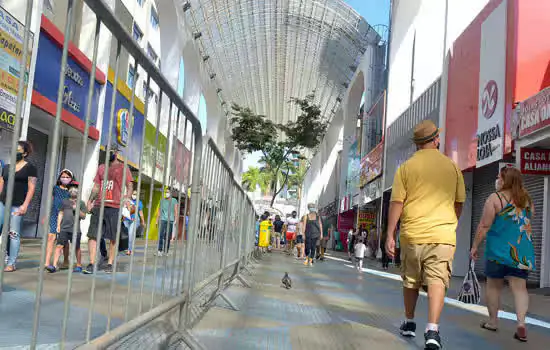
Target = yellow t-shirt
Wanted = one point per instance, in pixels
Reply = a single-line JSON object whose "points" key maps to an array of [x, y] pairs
{"points": [[428, 185]]}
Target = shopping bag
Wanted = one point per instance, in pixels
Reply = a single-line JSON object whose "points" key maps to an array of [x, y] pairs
{"points": [[470, 291]]}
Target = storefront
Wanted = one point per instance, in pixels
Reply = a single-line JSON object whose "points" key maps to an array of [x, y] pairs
{"points": [[43, 110], [532, 142]]}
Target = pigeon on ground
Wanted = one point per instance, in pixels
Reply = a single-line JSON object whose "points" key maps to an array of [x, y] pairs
{"points": [[287, 282]]}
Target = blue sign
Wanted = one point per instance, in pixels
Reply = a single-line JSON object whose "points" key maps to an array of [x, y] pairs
{"points": [[75, 93], [131, 147]]}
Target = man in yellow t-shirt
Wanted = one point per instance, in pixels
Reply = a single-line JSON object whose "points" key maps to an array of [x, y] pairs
{"points": [[427, 195]]}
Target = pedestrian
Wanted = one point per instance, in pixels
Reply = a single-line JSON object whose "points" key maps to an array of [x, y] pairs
{"points": [[427, 195], [312, 232], [59, 194], [166, 215], [360, 249], [278, 226], [134, 221], [352, 236], [266, 228], [68, 213], [116, 191], [323, 241], [291, 228], [509, 253], [23, 191]]}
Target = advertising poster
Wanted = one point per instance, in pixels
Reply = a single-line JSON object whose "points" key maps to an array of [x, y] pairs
{"points": [[354, 168], [11, 54], [366, 219]]}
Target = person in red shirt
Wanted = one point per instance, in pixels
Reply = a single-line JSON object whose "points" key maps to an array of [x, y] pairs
{"points": [[114, 191]]}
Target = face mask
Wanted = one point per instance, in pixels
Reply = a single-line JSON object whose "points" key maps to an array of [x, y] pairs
{"points": [[498, 185], [19, 156], [112, 157], [65, 181], [134, 197], [311, 210], [167, 195]]}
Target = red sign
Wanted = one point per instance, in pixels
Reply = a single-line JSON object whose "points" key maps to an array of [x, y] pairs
{"points": [[182, 160], [534, 113], [535, 161]]}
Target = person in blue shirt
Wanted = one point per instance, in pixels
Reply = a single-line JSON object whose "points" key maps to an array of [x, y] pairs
{"points": [[135, 208]]}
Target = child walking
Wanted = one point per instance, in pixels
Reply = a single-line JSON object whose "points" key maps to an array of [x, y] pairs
{"points": [[360, 250], [65, 221]]}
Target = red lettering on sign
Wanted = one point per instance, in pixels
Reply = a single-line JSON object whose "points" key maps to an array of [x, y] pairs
{"points": [[535, 161]]}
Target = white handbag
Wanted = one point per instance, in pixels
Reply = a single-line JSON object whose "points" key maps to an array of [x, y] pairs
{"points": [[470, 292]]}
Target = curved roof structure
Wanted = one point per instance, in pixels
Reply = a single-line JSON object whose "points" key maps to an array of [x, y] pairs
{"points": [[262, 53]]}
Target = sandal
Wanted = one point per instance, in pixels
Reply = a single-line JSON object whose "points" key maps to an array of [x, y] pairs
{"points": [[9, 268], [51, 269], [487, 326], [521, 334]]}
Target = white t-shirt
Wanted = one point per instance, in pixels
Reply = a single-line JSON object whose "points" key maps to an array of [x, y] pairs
{"points": [[291, 224], [360, 250]]}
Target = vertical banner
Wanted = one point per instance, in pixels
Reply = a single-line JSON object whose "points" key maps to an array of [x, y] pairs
{"points": [[12, 33], [492, 86]]}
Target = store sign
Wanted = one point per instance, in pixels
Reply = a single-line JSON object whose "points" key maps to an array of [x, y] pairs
{"points": [[371, 191], [371, 164], [181, 163], [492, 85], [534, 113], [535, 161], [366, 219], [123, 123], [77, 80], [123, 126], [153, 152], [11, 56]]}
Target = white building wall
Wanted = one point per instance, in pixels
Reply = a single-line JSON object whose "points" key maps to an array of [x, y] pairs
{"points": [[424, 24]]}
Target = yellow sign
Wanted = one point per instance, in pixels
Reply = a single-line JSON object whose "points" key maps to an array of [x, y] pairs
{"points": [[366, 219], [12, 33]]}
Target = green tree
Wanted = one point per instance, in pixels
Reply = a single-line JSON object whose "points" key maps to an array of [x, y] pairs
{"points": [[253, 178], [280, 144]]}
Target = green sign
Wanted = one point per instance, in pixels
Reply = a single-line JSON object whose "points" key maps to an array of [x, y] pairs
{"points": [[150, 147]]}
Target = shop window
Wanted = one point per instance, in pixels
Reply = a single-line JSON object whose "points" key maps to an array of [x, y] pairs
{"points": [[154, 18], [152, 54], [137, 33], [131, 77]]}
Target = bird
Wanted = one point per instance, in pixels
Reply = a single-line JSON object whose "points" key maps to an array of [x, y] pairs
{"points": [[287, 282]]}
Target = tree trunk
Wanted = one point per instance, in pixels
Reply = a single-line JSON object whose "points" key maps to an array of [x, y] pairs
{"points": [[276, 192]]}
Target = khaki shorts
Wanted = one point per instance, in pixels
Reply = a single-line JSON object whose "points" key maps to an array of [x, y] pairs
{"points": [[426, 264]]}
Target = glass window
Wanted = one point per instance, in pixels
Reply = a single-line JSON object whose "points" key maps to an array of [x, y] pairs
{"points": [[140, 2], [131, 76], [137, 33], [154, 18], [152, 54]]}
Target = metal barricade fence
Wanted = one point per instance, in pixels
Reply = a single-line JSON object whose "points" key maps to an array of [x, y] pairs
{"points": [[165, 285]]}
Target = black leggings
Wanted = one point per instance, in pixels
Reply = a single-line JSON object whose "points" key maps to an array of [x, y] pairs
{"points": [[311, 243]]}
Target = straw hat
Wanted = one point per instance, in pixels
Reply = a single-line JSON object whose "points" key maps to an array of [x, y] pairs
{"points": [[425, 132]]}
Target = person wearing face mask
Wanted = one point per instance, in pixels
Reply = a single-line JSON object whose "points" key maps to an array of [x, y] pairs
{"points": [[116, 192], [312, 232], [427, 195], [291, 228], [134, 206], [68, 213], [23, 191], [59, 194], [166, 215]]}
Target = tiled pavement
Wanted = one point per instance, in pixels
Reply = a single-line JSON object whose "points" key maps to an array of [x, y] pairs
{"points": [[18, 298], [333, 306]]}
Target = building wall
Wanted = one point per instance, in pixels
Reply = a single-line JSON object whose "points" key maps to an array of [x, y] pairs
{"points": [[422, 24]]}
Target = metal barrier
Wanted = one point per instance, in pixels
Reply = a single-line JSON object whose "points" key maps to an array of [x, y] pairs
{"points": [[166, 294]]}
